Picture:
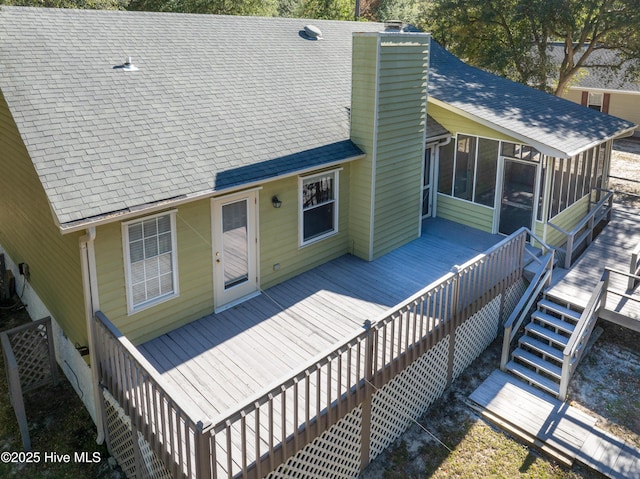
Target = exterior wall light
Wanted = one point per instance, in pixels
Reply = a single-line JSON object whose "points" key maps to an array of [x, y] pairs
{"points": [[276, 202]]}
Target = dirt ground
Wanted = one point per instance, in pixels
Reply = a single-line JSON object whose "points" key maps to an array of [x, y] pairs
{"points": [[625, 171], [605, 385]]}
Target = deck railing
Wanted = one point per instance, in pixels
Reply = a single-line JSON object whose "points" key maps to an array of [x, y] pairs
{"points": [[596, 308], [257, 436], [541, 280], [163, 416], [582, 233]]}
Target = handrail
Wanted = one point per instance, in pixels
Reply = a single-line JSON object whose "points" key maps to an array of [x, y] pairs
{"points": [[577, 343], [541, 279], [588, 220]]}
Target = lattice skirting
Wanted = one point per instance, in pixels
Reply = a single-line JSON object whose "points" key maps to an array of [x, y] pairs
{"points": [[511, 297], [408, 396], [122, 448], [333, 455], [475, 334]]}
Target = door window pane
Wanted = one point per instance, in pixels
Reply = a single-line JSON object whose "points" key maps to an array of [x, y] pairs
{"points": [[235, 243]]}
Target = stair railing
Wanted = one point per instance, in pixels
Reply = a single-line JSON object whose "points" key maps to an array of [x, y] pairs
{"points": [[583, 231], [577, 344], [541, 280]]}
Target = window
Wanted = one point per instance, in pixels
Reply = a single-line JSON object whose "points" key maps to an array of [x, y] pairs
{"points": [[319, 206], [574, 178], [150, 259], [595, 101], [468, 171]]}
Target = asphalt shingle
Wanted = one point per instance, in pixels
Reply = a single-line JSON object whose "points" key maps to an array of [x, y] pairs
{"points": [[554, 125], [217, 101]]}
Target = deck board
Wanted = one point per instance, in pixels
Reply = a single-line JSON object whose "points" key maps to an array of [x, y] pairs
{"points": [[223, 359], [612, 248], [554, 424]]}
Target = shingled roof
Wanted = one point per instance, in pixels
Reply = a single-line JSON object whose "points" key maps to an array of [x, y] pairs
{"points": [[217, 101], [555, 126], [609, 74]]}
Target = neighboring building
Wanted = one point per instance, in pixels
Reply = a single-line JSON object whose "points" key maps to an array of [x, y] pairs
{"points": [[161, 167], [609, 90]]}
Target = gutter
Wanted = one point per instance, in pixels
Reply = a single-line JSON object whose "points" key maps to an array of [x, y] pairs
{"points": [[140, 210], [91, 305]]}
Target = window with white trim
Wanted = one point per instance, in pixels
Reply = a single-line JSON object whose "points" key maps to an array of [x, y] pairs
{"points": [[150, 258], [318, 206]]}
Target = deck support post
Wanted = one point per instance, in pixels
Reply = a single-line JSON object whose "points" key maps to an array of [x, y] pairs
{"points": [[203, 450], [453, 323], [365, 438]]}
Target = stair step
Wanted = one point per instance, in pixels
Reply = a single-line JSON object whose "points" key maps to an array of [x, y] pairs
{"points": [[533, 378], [547, 334], [561, 310], [537, 362], [541, 347], [553, 321]]}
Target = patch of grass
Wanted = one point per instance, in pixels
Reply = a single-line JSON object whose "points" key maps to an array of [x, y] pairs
{"points": [[486, 453], [58, 423]]}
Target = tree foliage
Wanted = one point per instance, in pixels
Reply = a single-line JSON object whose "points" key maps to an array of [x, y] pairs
{"points": [[265, 8], [513, 37], [327, 9]]}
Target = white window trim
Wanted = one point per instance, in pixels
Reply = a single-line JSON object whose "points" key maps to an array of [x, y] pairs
{"points": [[131, 309], [336, 183]]}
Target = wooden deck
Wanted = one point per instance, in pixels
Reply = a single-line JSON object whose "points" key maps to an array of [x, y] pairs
{"points": [[553, 426], [225, 358], [612, 249]]}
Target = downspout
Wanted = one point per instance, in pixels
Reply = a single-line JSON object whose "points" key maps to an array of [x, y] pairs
{"points": [[91, 305], [436, 172]]}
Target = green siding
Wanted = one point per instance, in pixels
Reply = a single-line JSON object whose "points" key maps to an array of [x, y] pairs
{"points": [[465, 212], [400, 140], [363, 105], [567, 220], [195, 276], [459, 124], [29, 234], [279, 232]]}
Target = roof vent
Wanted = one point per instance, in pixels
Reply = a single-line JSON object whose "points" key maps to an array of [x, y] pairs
{"points": [[128, 65], [393, 26], [312, 32]]}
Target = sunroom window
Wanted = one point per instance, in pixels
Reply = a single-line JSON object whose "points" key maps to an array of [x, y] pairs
{"points": [[318, 206], [150, 260], [468, 170]]}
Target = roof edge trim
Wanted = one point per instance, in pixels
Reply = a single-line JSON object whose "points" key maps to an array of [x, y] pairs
{"points": [[541, 147]]}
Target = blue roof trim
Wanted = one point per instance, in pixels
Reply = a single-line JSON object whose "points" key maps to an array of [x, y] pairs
{"points": [[287, 165]]}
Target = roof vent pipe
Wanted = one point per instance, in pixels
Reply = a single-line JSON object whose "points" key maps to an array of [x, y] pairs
{"points": [[393, 26], [128, 65]]}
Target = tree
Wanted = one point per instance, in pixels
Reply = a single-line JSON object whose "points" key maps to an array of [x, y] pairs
{"points": [[266, 8], [82, 4], [513, 37], [327, 9]]}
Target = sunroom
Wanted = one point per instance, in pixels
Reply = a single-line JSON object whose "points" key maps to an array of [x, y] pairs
{"points": [[517, 157], [516, 184]]}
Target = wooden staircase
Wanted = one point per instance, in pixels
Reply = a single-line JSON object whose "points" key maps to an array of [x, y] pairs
{"points": [[538, 357]]}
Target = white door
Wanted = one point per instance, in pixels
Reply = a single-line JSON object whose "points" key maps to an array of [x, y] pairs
{"points": [[235, 240]]}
